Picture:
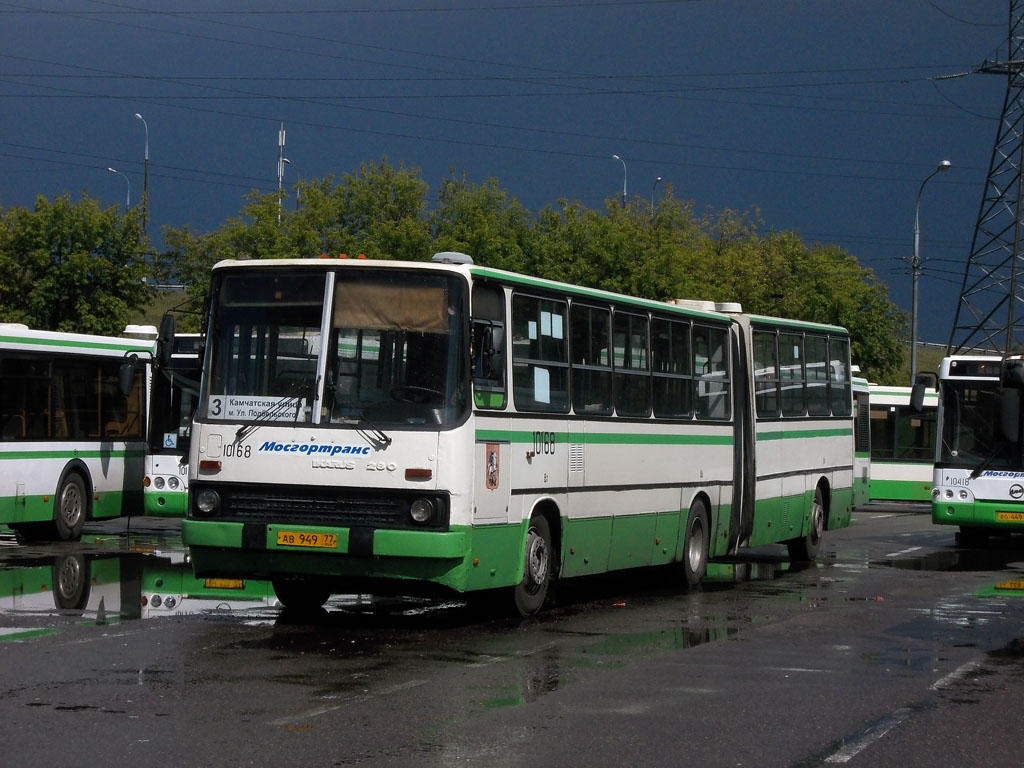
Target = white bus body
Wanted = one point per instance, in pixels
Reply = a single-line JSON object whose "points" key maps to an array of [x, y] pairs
{"points": [[461, 427]]}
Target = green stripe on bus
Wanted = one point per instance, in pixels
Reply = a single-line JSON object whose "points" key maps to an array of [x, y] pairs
{"points": [[798, 434], [71, 453], [603, 438], [125, 346]]}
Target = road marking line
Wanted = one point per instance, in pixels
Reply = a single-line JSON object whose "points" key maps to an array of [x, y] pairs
{"points": [[317, 711], [903, 552], [870, 736], [957, 674]]}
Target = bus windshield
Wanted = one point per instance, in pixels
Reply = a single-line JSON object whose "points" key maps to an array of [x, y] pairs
{"points": [[970, 434], [388, 350]]}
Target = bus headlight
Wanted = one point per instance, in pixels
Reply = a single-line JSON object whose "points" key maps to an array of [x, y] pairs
{"points": [[422, 510], [172, 483], [158, 483], [949, 493], [207, 501], [963, 495]]}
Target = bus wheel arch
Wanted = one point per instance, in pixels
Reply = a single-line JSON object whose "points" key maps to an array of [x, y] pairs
{"points": [[804, 549], [540, 559], [72, 502]]}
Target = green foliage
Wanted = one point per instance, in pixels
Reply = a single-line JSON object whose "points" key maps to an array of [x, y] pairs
{"points": [[68, 266], [74, 266]]}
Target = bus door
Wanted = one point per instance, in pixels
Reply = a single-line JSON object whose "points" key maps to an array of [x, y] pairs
{"points": [[744, 486]]}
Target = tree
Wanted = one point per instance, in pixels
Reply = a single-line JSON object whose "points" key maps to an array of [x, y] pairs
{"points": [[68, 266]]}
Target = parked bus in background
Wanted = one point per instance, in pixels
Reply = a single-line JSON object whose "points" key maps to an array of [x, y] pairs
{"points": [[861, 440], [173, 398], [978, 480], [72, 445], [902, 444], [398, 427]]}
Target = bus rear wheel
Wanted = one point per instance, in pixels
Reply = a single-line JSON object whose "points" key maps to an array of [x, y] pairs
{"points": [[70, 507], [301, 594], [532, 591], [696, 542], [805, 549]]}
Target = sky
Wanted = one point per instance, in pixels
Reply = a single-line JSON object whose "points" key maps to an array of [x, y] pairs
{"points": [[825, 116]]}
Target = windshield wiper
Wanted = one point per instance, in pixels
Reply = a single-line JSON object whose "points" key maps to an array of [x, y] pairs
{"points": [[270, 415]]}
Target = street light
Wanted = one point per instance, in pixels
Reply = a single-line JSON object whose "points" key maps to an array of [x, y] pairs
{"points": [[145, 175], [616, 157], [298, 180], [128, 197], [915, 271], [656, 182]]}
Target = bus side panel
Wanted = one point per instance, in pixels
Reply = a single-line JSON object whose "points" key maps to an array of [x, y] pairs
{"points": [[27, 494], [786, 457]]}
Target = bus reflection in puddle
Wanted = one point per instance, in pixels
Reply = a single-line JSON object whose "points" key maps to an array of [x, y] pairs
{"points": [[116, 588]]}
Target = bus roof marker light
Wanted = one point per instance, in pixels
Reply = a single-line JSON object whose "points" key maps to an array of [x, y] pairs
{"points": [[451, 257]]}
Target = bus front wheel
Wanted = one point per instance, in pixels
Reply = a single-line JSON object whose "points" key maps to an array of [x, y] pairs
{"points": [[69, 508], [695, 545], [532, 591], [805, 549]]}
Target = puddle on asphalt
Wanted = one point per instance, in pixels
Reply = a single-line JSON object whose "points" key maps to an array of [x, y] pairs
{"points": [[107, 588]]}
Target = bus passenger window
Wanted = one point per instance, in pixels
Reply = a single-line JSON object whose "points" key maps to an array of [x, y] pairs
{"points": [[540, 359]]}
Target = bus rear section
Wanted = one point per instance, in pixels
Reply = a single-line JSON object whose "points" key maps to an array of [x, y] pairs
{"points": [[72, 445], [979, 468], [173, 398]]}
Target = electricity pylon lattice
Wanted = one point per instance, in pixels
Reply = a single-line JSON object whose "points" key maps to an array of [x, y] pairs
{"points": [[990, 312]]}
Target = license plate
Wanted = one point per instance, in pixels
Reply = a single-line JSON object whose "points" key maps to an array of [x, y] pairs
{"points": [[1016, 585], [213, 583], [1010, 517], [307, 539]]}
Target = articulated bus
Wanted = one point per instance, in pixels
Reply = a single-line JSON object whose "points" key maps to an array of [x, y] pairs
{"points": [[400, 427], [172, 402], [978, 481], [902, 444], [72, 445]]}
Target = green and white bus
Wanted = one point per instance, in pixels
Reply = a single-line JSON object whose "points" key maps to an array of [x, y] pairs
{"points": [[172, 402], [397, 427], [72, 445], [861, 440], [902, 444], [978, 481]]}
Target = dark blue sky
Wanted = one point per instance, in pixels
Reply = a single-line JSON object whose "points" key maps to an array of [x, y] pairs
{"points": [[824, 114]]}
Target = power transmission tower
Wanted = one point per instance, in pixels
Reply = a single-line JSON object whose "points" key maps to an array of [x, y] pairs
{"points": [[990, 312]]}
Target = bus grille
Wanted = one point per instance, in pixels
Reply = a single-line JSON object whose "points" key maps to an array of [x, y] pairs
{"points": [[298, 508]]}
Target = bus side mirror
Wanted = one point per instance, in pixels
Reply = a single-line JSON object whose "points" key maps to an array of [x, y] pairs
{"points": [[917, 397], [1013, 373], [165, 340], [126, 375], [495, 353], [1009, 415]]}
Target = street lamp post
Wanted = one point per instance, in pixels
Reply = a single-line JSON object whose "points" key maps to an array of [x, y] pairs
{"points": [[915, 271], [145, 173], [656, 182], [298, 180], [128, 197], [616, 157]]}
